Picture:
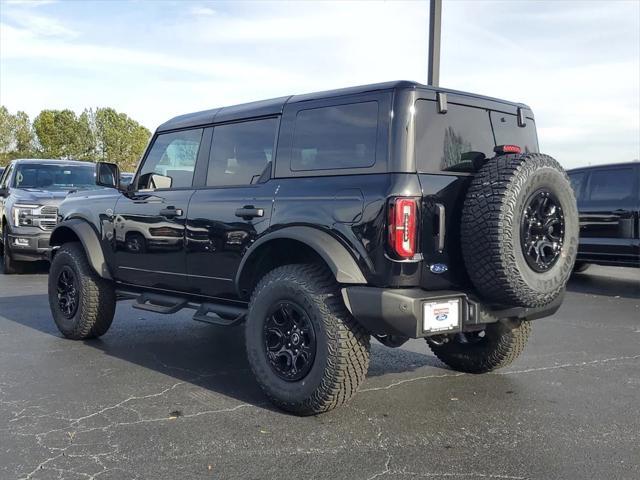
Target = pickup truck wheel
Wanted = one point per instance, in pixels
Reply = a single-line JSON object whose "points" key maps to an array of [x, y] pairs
{"points": [[9, 265], [520, 230], [479, 352], [580, 267], [82, 303], [305, 349]]}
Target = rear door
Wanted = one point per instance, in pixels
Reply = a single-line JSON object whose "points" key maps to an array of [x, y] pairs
{"points": [[608, 213], [232, 205], [149, 222]]}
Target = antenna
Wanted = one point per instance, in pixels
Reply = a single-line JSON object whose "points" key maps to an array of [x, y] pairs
{"points": [[435, 28]]}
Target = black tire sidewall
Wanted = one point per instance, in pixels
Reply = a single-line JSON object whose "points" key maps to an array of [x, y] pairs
{"points": [[68, 326], [554, 181], [285, 391]]}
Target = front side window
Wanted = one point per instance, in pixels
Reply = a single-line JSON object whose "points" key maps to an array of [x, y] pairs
{"points": [[171, 160], [336, 137], [4, 178], [451, 141], [240, 152], [612, 185], [54, 176]]}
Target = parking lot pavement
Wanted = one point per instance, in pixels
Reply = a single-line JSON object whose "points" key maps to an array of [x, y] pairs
{"points": [[163, 397]]}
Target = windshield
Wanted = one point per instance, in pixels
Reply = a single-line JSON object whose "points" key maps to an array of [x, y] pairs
{"points": [[54, 177]]}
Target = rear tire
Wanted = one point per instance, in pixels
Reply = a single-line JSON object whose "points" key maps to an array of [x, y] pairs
{"points": [[82, 303], [501, 344], [580, 267], [337, 358], [9, 265], [520, 230]]}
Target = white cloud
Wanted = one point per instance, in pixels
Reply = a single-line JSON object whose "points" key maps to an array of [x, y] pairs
{"points": [[202, 11]]}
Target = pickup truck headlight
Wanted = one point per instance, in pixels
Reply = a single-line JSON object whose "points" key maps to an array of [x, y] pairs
{"points": [[23, 215]]}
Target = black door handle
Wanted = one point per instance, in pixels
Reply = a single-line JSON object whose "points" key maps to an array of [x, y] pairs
{"points": [[249, 211], [171, 212]]}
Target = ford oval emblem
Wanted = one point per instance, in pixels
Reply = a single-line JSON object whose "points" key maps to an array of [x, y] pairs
{"points": [[441, 317], [438, 268]]}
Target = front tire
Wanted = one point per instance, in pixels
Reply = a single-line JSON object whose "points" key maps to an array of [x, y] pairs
{"points": [[9, 265], [495, 347], [580, 267], [296, 305], [82, 303]]}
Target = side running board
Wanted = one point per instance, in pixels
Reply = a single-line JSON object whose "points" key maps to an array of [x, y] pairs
{"points": [[220, 314]]}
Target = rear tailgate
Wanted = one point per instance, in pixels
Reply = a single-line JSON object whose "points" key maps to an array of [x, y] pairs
{"points": [[446, 147]]}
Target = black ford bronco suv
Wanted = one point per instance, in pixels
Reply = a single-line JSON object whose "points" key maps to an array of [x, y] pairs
{"points": [[393, 210]]}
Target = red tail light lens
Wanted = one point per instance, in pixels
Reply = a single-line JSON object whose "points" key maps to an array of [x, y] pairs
{"points": [[403, 226], [502, 149]]}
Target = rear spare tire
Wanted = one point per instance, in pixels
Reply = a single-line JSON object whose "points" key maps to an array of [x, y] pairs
{"points": [[520, 230]]}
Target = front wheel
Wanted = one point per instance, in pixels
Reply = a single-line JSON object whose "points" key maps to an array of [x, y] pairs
{"points": [[82, 303], [495, 347], [305, 349], [9, 265]]}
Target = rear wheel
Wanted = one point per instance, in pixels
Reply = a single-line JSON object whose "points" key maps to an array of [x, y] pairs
{"points": [[9, 265], [520, 230], [580, 267], [307, 352], [81, 302], [495, 347]]}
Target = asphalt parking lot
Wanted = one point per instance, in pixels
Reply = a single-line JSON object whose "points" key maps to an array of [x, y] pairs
{"points": [[164, 397]]}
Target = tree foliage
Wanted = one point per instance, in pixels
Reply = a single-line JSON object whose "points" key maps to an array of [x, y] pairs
{"points": [[102, 134]]}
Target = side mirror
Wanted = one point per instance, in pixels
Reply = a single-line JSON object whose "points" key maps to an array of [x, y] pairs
{"points": [[107, 175]]}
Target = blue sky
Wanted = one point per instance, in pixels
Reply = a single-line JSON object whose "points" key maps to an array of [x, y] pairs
{"points": [[577, 64]]}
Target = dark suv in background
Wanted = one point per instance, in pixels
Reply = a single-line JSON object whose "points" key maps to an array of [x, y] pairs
{"points": [[394, 210], [609, 206], [30, 192]]}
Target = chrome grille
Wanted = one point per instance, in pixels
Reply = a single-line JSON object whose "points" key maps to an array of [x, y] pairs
{"points": [[49, 210], [47, 217]]}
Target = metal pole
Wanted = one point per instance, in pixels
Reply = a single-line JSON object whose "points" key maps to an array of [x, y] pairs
{"points": [[435, 24]]}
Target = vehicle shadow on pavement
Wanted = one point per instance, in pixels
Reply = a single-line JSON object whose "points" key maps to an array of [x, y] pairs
{"points": [[206, 356], [594, 284]]}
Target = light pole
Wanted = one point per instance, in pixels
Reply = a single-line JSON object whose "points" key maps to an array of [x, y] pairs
{"points": [[435, 21]]}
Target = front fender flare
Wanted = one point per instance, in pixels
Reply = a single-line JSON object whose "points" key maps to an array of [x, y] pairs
{"points": [[90, 242], [337, 257]]}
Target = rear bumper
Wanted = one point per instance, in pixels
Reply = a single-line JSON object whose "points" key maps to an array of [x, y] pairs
{"points": [[386, 311], [29, 247]]}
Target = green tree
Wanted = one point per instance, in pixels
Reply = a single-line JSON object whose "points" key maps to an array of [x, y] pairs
{"points": [[6, 133], [119, 138], [23, 134]]}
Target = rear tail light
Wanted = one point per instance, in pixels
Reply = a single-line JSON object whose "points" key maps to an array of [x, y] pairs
{"points": [[403, 226]]}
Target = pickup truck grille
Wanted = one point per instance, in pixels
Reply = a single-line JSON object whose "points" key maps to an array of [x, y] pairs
{"points": [[46, 218]]}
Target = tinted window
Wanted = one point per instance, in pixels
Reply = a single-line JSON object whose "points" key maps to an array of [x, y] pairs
{"points": [[340, 136], [507, 131], [173, 156], [240, 152], [612, 185], [449, 141], [4, 183], [577, 182], [54, 177]]}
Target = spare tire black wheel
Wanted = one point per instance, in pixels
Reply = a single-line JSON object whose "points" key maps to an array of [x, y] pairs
{"points": [[520, 230]]}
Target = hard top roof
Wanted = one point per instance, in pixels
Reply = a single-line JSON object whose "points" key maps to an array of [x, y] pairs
{"points": [[276, 105], [605, 165]]}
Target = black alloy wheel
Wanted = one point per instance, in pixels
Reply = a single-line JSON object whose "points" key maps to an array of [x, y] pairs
{"points": [[290, 341], [542, 230], [68, 295]]}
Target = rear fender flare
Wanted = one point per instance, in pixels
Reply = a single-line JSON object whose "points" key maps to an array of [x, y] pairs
{"points": [[336, 256], [89, 240]]}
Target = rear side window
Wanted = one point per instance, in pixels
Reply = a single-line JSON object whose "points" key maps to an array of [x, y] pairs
{"points": [[335, 137], [507, 132], [240, 152], [612, 185], [577, 182], [452, 140]]}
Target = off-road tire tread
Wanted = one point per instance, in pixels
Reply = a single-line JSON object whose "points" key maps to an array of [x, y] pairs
{"points": [[348, 342], [97, 296], [507, 343], [487, 241]]}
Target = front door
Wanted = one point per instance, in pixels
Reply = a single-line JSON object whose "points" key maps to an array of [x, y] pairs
{"points": [[233, 206], [149, 222]]}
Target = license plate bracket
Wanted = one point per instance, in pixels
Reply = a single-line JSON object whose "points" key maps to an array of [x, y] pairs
{"points": [[442, 315]]}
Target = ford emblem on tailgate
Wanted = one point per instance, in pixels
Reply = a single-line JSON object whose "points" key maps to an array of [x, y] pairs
{"points": [[438, 268]]}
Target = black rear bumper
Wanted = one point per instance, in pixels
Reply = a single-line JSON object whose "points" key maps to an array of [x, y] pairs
{"points": [[387, 311]]}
